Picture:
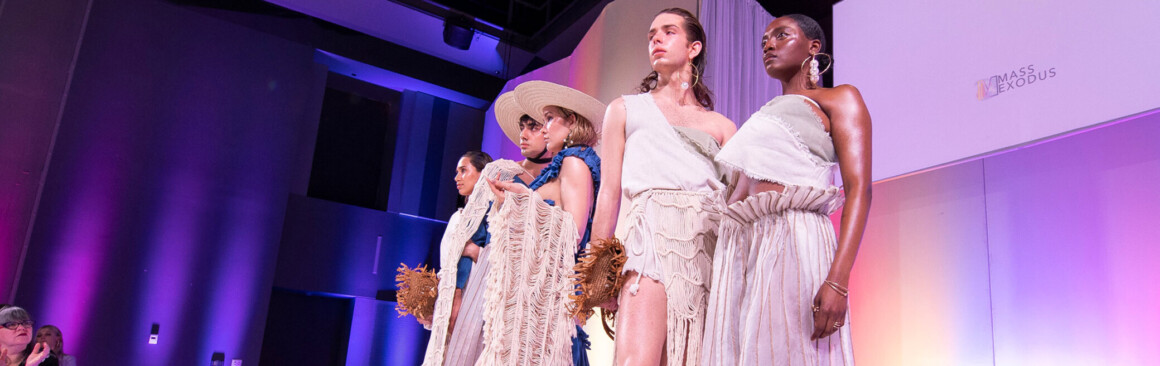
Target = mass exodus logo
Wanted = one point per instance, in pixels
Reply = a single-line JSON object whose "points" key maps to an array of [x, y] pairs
{"points": [[1008, 81]]}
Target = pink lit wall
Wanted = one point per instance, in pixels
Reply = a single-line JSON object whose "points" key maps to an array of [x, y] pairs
{"points": [[949, 80], [1043, 255]]}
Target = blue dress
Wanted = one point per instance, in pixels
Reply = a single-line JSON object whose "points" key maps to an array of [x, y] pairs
{"points": [[580, 344], [481, 238]]}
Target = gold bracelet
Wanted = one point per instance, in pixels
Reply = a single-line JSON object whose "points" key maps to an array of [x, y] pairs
{"points": [[838, 288]]}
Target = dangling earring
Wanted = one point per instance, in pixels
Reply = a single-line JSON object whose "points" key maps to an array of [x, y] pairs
{"points": [[814, 73], [568, 140]]}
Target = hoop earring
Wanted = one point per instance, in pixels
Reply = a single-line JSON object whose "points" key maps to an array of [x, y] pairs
{"points": [[814, 73], [696, 74]]}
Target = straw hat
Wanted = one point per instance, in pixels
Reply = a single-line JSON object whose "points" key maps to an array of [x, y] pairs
{"points": [[508, 113], [534, 95]]}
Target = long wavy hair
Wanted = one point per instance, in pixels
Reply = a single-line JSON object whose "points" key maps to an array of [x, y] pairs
{"points": [[695, 33]]}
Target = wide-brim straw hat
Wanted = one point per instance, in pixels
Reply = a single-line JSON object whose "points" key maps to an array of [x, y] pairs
{"points": [[507, 114], [534, 95]]}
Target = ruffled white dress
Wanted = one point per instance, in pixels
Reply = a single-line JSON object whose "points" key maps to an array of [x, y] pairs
{"points": [[775, 249]]}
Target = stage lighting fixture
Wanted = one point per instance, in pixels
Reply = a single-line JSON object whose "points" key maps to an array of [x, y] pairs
{"points": [[457, 32]]}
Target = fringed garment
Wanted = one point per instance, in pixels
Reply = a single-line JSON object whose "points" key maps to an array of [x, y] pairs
{"points": [[671, 238], [465, 343], [526, 314], [675, 190], [525, 305], [776, 249]]}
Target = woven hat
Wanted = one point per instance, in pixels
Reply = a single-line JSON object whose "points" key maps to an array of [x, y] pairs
{"points": [[507, 114], [534, 95]]}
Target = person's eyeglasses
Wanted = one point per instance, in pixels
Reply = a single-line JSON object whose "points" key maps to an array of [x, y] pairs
{"points": [[534, 126], [17, 325]]}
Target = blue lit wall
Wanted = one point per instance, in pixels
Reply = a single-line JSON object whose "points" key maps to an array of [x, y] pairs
{"points": [[167, 186]]}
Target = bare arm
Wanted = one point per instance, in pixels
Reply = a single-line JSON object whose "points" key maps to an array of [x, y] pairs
{"points": [[576, 191], [850, 128], [611, 163]]}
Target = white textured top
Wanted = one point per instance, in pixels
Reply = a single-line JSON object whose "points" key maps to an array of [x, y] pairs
{"points": [[784, 142], [657, 157]]}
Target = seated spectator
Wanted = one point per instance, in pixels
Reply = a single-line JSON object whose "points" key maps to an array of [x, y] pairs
{"points": [[16, 343], [51, 335]]}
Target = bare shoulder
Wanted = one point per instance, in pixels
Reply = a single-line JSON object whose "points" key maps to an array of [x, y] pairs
{"points": [[842, 96], [574, 168], [721, 127], [616, 107], [722, 123], [616, 114], [617, 103]]}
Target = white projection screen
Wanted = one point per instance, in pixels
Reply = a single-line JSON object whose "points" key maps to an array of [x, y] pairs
{"points": [[949, 80]]}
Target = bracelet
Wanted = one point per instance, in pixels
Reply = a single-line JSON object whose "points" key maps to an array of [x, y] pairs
{"points": [[838, 288]]}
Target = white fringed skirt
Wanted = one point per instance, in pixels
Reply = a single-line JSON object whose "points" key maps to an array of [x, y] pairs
{"points": [[671, 238], [774, 254]]}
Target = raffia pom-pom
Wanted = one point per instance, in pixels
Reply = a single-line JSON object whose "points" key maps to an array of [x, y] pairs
{"points": [[418, 289], [598, 277]]}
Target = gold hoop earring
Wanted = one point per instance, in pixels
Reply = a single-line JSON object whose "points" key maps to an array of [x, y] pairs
{"points": [[696, 74], [813, 72]]}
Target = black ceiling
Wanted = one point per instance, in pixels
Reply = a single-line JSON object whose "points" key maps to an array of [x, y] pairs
{"points": [[526, 24]]}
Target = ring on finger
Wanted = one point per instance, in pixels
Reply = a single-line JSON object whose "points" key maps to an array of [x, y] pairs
{"points": [[815, 308], [837, 325]]}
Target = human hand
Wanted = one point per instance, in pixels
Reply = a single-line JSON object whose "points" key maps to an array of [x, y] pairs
{"points": [[610, 305], [423, 321], [470, 250], [500, 187], [829, 308], [39, 353]]}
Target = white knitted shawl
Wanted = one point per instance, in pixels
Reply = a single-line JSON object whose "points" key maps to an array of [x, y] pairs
{"points": [[458, 232], [526, 318]]}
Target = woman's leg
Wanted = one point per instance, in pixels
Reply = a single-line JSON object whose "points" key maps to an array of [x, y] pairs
{"points": [[455, 303], [641, 323]]}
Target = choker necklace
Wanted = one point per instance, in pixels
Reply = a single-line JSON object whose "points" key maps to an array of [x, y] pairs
{"points": [[539, 158]]}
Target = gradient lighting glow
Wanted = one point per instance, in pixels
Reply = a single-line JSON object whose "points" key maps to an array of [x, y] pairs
{"points": [[167, 186], [926, 108], [1040, 255], [173, 242], [86, 239]]}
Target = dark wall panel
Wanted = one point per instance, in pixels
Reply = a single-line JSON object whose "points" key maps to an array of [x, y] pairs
{"points": [[166, 193], [343, 249], [433, 133], [38, 44]]}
